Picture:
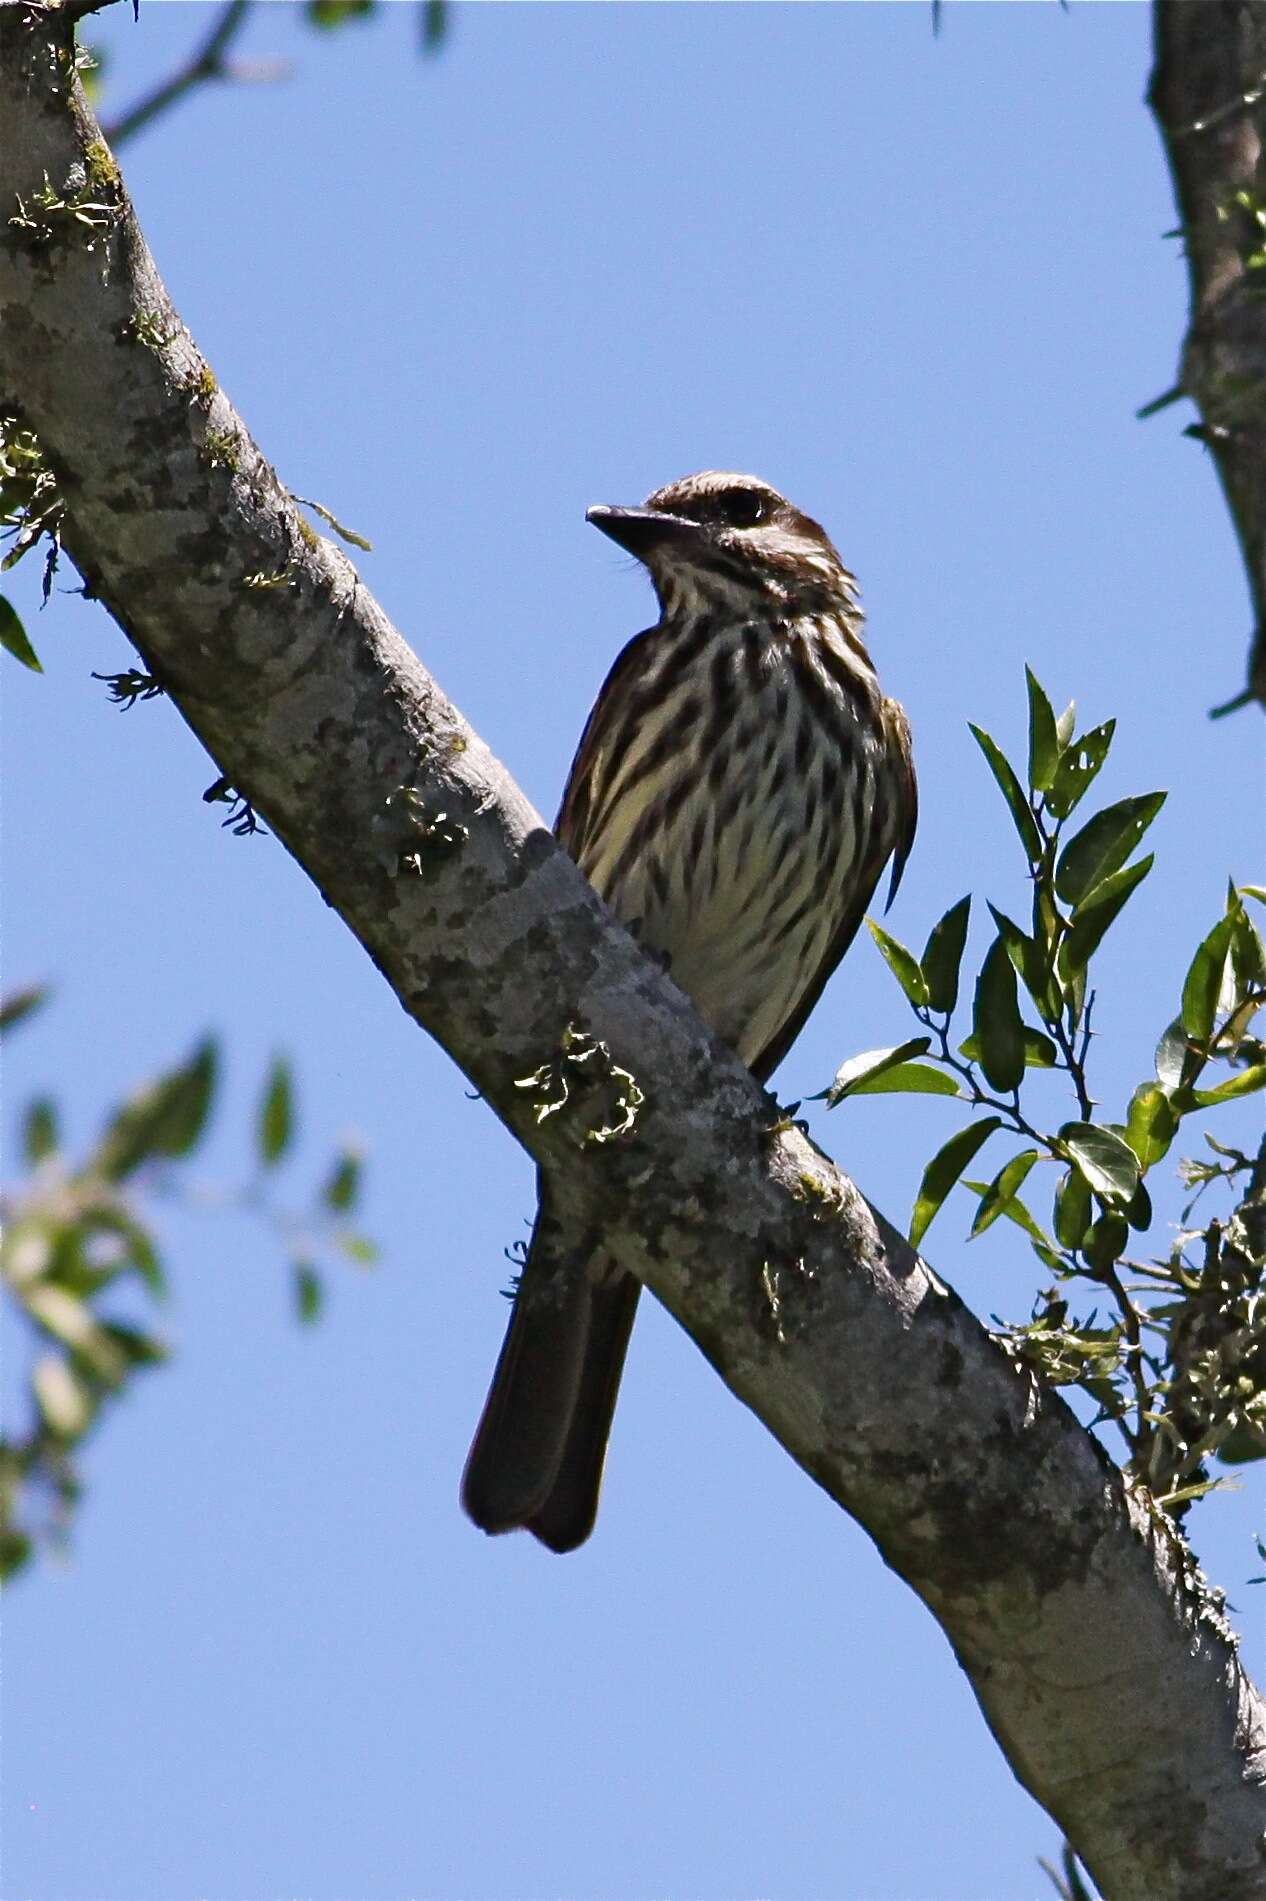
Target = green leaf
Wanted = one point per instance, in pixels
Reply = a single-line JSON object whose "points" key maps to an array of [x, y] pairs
{"points": [[1072, 1209], [39, 1132], [996, 1020], [1244, 1083], [908, 1079], [1107, 1240], [1109, 1164], [1139, 1211], [944, 1170], [1015, 1210], [1030, 961], [1002, 1189], [109, 1217], [434, 25], [944, 955], [1043, 736], [902, 963], [332, 13], [343, 1186], [1243, 1444], [871, 1063], [164, 1118], [1176, 1061], [13, 636], [1012, 791], [357, 1247], [65, 1403], [1257, 891], [15, 1551], [1039, 1051], [308, 1292], [1080, 764], [1151, 1124], [1248, 954], [1103, 845], [22, 1003], [1096, 913], [275, 1127], [1202, 987]]}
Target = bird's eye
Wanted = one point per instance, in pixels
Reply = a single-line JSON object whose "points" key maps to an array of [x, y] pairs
{"points": [[742, 507]]}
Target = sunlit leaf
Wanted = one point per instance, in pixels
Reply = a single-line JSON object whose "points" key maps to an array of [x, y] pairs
{"points": [[1245, 1082], [65, 1403], [1005, 1184], [871, 1063], [943, 956], [1176, 1062], [1015, 1210], [1043, 736], [1202, 987], [908, 1079], [1096, 913], [944, 1170], [1151, 1124], [1080, 764], [1012, 791], [1247, 950], [1103, 844], [903, 964], [1065, 723], [1108, 1163], [357, 1247], [996, 1022]]}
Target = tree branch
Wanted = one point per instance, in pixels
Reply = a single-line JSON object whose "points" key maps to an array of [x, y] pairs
{"points": [[1100, 1660], [1208, 93], [208, 61]]}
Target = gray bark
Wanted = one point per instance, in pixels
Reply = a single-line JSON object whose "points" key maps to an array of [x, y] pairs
{"points": [[1100, 1661], [1208, 93]]}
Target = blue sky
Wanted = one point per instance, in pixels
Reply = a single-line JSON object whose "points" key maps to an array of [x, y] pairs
{"points": [[921, 285]]}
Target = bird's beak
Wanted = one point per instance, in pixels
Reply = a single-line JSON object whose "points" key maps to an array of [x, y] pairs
{"points": [[641, 530]]}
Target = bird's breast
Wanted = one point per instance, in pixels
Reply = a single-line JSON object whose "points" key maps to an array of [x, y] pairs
{"points": [[733, 818]]}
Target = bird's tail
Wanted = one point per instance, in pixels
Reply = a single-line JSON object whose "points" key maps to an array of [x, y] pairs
{"points": [[538, 1453]]}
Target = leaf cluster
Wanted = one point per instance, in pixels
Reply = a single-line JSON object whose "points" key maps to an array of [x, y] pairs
{"points": [[78, 1234], [31, 509], [1031, 1006]]}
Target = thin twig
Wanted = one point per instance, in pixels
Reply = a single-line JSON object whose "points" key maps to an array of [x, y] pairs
{"points": [[208, 62]]}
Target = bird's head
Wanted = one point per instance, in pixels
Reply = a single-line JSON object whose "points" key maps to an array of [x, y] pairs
{"points": [[718, 539]]}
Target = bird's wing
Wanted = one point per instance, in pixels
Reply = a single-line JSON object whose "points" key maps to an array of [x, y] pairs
{"points": [[591, 768], [901, 760], [894, 834]]}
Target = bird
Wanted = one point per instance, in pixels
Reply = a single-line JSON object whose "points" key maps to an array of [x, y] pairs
{"points": [[739, 787]]}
